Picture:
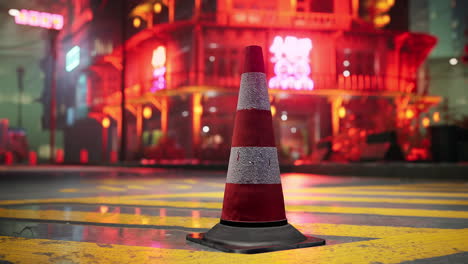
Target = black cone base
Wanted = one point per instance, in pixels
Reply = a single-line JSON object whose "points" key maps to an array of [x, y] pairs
{"points": [[251, 240]]}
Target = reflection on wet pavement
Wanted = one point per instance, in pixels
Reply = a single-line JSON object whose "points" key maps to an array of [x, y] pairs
{"points": [[158, 210]]}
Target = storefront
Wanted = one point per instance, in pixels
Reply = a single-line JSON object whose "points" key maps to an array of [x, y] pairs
{"points": [[328, 78]]}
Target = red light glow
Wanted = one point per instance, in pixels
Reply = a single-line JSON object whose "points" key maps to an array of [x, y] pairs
{"points": [[83, 156], [37, 19], [59, 156], [32, 158], [292, 68]]}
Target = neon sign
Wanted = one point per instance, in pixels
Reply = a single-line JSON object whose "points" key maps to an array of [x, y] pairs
{"points": [[72, 59], [159, 69], [292, 68], [37, 19]]}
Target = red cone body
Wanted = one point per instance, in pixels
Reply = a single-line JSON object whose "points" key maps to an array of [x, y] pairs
{"points": [[253, 187]]}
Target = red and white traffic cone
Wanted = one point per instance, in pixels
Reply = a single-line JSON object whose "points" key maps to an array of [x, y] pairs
{"points": [[253, 218]]}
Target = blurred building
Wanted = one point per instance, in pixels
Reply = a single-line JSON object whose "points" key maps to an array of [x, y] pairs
{"points": [[333, 77], [448, 21]]}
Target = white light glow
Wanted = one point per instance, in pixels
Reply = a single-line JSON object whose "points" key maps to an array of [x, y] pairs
{"points": [[291, 59], [293, 130], [212, 58], [346, 73], [206, 129], [346, 63], [185, 113], [453, 61], [212, 109], [284, 117], [13, 12]]}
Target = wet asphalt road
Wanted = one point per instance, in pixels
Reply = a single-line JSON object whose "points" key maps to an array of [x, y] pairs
{"points": [[136, 215]]}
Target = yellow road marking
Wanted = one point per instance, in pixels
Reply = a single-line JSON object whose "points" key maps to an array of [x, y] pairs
{"points": [[110, 188], [181, 186], [124, 182], [378, 211], [379, 193], [206, 222], [375, 200], [137, 187], [291, 208], [69, 190], [109, 218], [393, 249], [415, 187], [288, 197], [214, 184], [190, 181]]}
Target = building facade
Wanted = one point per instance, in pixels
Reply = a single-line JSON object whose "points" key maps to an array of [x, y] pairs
{"points": [[331, 77], [448, 21]]}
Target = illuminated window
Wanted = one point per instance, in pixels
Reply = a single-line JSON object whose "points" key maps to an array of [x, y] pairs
{"points": [[426, 122], [291, 59], [436, 117], [159, 68], [72, 59]]}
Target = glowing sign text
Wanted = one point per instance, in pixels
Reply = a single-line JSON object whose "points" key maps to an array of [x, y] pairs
{"points": [[37, 19], [291, 58], [159, 69]]}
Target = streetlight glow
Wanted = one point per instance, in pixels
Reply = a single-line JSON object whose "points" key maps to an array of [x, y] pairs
{"points": [[453, 61]]}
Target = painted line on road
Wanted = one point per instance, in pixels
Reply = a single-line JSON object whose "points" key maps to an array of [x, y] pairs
{"points": [[411, 187], [288, 196], [291, 208], [111, 188], [379, 193], [202, 222], [393, 249]]}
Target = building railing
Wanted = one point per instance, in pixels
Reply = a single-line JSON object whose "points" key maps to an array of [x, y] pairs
{"points": [[245, 17], [355, 83]]}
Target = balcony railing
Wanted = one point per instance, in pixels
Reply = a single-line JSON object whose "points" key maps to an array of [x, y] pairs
{"points": [[263, 18]]}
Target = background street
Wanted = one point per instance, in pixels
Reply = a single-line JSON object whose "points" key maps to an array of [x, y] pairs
{"points": [[129, 215]]}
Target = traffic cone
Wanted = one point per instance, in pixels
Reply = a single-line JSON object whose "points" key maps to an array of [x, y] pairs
{"points": [[253, 218]]}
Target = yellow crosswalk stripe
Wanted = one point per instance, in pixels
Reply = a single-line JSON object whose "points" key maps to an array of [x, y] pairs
{"points": [[393, 249], [292, 208], [379, 193], [205, 222], [111, 188]]}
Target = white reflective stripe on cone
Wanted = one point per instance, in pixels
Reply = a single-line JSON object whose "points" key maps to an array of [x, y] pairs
{"points": [[253, 165], [253, 93]]}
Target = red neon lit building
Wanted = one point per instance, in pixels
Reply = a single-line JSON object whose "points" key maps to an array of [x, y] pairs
{"points": [[331, 77]]}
